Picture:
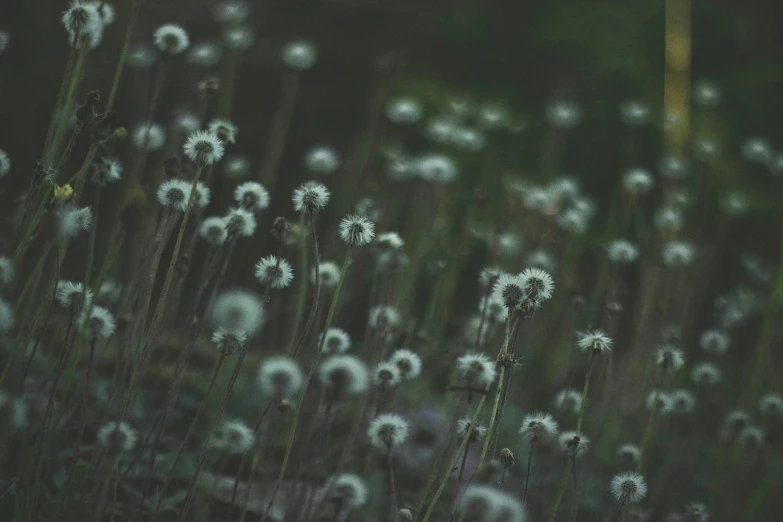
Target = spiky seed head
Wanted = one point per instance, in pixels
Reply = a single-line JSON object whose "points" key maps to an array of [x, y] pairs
{"points": [[356, 230], [629, 488], [569, 400], [387, 431], [537, 426], [322, 160], [311, 196], [537, 283], [239, 310], [408, 362], [71, 221], [224, 130], [240, 221], [204, 148], [107, 170], [465, 428], [300, 55], [229, 342], [594, 342], [337, 341], [386, 375], [343, 375], [384, 318], [252, 196], [233, 437], [622, 252], [274, 272], [436, 168], [476, 369], [116, 437], [734, 423], [72, 296], [214, 230], [280, 377], [706, 374], [171, 39], [174, 194], [84, 24], [629, 451], [99, 325], [670, 358], [347, 490], [328, 274], [573, 444], [510, 290]]}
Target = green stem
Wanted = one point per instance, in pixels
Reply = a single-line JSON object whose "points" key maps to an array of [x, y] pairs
{"points": [[584, 394], [561, 490], [123, 54]]}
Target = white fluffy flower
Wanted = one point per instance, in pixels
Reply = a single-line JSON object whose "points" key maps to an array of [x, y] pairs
{"points": [[71, 221], [594, 342], [629, 488], [174, 194], [311, 196], [328, 274], [771, 404], [236, 167], [239, 38], [241, 221], [229, 341], [171, 39], [343, 375], [322, 159], [707, 93], [387, 431], [274, 272], [231, 11], [714, 341], [408, 362], [668, 219], [83, 22], [300, 55], [141, 55], [637, 181], [622, 252], [536, 426], [238, 310], [487, 503], [683, 401], [569, 400], [214, 230], [252, 196], [705, 374], [436, 168], [661, 400], [465, 427], [346, 490], [629, 451], [356, 230], [100, 324], [204, 148], [116, 437], [404, 110], [204, 54], [537, 283], [669, 358], [233, 437], [386, 374], [677, 254], [150, 136], [337, 341], [564, 113], [107, 170], [224, 129], [509, 289], [280, 377], [574, 444], [390, 240], [72, 296], [476, 369], [384, 317]]}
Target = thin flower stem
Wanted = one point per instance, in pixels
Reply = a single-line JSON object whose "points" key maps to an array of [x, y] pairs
{"points": [[308, 379], [584, 394], [317, 297], [560, 490], [123, 54], [501, 381], [392, 490], [527, 474], [647, 431], [459, 477]]}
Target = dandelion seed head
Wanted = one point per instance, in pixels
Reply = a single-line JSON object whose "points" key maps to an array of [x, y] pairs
{"points": [[240, 221], [670, 358], [141, 55], [357, 230], [214, 230], [569, 400], [280, 377], [72, 296], [344, 375], [150, 134], [322, 160], [637, 181], [635, 113], [174, 194], [706, 374], [771, 404], [539, 199], [116, 437], [465, 428], [476, 369], [564, 113], [224, 129], [677, 254], [5, 163], [629, 451], [83, 22], [622, 252], [337, 341], [71, 221], [202, 195], [387, 431], [311, 196], [107, 170], [386, 374], [574, 444], [100, 324], [347, 490], [328, 274], [595, 342], [683, 402], [300, 55], [436, 168], [204, 148], [668, 219], [238, 310], [408, 362], [541, 259], [757, 150], [537, 283], [440, 130], [510, 290], [660, 400], [234, 437], [274, 272], [487, 503], [171, 39], [404, 111], [236, 167], [204, 54], [229, 342], [390, 240], [239, 38], [628, 488], [751, 437], [536, 426], [714, 341], [384, 317]]}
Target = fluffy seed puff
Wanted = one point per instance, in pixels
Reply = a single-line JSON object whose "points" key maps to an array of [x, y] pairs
{"points": [[229, 342], [677, 254], [488, 504], [337, 341], [72, 220], [537, 283], [622, 252], [274, 272], [536, 426], [387, 431], [233, 437], [251, 196], [509, 289], [300, 55], [408, 362], [384, 317], [356, 230], [637, 181], [7, 271], [322, 160], [240, 221], [204, 148], [83, 22], [224, 129], [714, 341], [466, 428], [594, 342], [697, 512], [569, 400], [238, 310], [279, 377], [107, 170], [149, 136], [573, 444], [311, 196], [347, 491], [476, 370], [343, 375], [171, 39], [72, 296], [771, 404], [629, 452], [100, 324], [116, 437], [328, 274], [214, 230], [386, 375], [660, 400], [174, 194], [628, 488], [669, 358], [706, 374], [683, 402]]}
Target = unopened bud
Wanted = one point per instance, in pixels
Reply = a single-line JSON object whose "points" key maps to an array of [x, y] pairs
{"points": [[506, 458]]}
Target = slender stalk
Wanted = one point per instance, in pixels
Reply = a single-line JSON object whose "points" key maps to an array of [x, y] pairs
{"points": [[281, 121], [527, 474], [584, 394], [459, 478], [392, 490], [501, 380], [317, 297], [561, 490], [123, 54], [647, 431]]}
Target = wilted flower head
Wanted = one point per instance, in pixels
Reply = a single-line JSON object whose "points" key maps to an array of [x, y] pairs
{"points": [[238, 310], [311, 196], [174, 194], [622, 252], [677, 254], [356, 230], [280, 377], [347, 490], [322, 159], [714, 341], [384, 317], [408, 362], [343, 375], [387, 431], [476, 369], [536, 426], [669, 358], [150, 136], [569, 400], [171, 39], [705, 374], [466, 428], [300, 55], [72, 296], [116, 437], [637, 181], [274, 272], [594, 342], [337, 341], [71, 221], [660, 400], [100, 324], [386, 374], [240, 221], [233, 437], [629, 488], [574, 444], [214, 230], [204, 148], [229, 342], [404, 110], [771, 404], [564, 113]]}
